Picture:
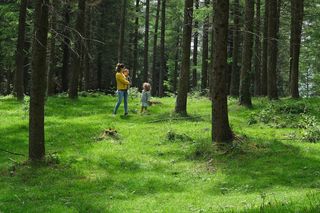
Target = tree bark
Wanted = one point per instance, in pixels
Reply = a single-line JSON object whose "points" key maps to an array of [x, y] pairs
{"points": [[77, 56], [135, 45], [176, 64], [51, 86], [235, 75], [155, 74], [273, 30], [20, 54], [205, 51], [88, 77], [122, 30], [245, 75], [297, 8], [257, 58], [221, 131], [181, 103], [38, 81], [146, 44], [66, 49], [195, 49], [162, 49], [264, 71]]}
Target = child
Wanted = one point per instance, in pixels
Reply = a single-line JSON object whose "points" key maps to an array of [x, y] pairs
{"points": [[145, 97], [127, 76]]}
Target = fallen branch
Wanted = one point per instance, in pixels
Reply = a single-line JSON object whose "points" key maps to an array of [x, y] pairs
{"points": [[174, 119], [13, 153]]}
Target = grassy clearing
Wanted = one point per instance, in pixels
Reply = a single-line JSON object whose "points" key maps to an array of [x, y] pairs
{"points": [[146, 170]]}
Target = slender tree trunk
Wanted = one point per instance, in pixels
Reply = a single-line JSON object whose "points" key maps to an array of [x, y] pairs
{"points": [[20, 53], [135, 47], [87, 57], [257, 61], [155, 74], [273, 30], [195, 49], [38, 81], [297, 8], [77, 56], [176, 65], [264, 71], [162, 49], [146, 44], [122, 30], [181, 103], [245, 75], [235, 75], [221, 131], [66, 49], [51, 86], [205, 51]]}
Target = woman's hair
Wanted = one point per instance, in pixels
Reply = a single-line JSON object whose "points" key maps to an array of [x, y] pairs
{"points": [[146, 86], [119, 67]]}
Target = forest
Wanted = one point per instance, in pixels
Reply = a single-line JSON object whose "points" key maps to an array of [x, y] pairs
{"points": [[160, 106]]}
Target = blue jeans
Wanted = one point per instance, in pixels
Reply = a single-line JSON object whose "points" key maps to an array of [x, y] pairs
{"points": [[122, 95]]}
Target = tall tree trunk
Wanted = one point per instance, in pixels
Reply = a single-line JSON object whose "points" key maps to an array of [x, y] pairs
{"points": [[264, 71], [162, 49], [20, 53], [78, 54], [87, 56], [146, 44], [221, 131], [65, 74], [135, 45], [195, 49], [257, 58], [245, 75], [51, 86], [273, 30], [155, 74], [176, 64], [122, 30], [205, 51], [297, 7], [235, 75], [38, 81], [181, 103]]}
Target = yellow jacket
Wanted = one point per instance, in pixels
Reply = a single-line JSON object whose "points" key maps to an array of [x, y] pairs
{"points": [[122, 83]]}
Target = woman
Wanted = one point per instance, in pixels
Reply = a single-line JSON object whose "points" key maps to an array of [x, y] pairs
{"points": [[122, 89]]}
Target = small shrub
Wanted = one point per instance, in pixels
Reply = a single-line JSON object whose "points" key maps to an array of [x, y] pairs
{"points": [[173, 136], [252, 119]]}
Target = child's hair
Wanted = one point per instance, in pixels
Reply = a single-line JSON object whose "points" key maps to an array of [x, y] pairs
{"points": [[146, 86], [119, 67]]}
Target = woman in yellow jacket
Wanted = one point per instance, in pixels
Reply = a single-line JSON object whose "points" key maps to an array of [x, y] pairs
{"points": [[122, 89]]}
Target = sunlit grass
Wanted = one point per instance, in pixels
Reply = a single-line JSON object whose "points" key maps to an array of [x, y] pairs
{"points": [[142, 171]]}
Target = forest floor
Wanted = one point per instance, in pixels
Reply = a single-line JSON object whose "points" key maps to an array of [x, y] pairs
{"points": [[161, 162]]}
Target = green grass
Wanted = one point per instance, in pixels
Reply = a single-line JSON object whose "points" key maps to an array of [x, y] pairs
{"points": [[143, 171]]}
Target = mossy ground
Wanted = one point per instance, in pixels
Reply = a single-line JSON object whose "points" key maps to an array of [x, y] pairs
{"points": [[142, 171]]}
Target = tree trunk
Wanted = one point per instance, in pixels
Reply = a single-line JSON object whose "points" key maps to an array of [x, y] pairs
{"points": [[297, 8], [181, 103], [176, 64], [273, 30], [88, 77], [135, 45], [146, 44], [66, 49], [264, 71], [51, 86], [155, 74], [245, 75], [20, 54], [221, 131], [78, 54], [38, 81], [205, 51], [195, 49], [235, 75], [257, 58], [162, 49], [121, 30]]}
